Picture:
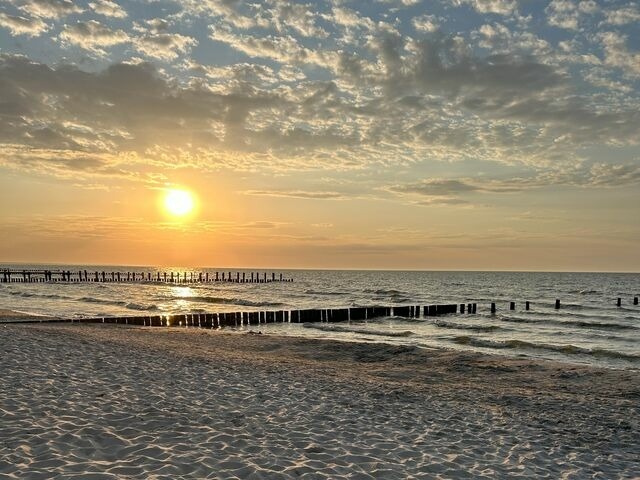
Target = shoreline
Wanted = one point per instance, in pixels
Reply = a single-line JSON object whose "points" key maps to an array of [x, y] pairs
{"points": [[17, 317], [236, 405]]}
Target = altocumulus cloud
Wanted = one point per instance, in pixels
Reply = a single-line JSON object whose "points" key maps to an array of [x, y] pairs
{"points": [[328, 86]]}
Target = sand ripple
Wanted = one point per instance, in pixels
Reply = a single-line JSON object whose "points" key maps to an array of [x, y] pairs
{"points": [[74, 407]]}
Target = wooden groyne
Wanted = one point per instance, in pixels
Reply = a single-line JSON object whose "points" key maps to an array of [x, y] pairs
{"points": [[254, 318], [76, 276]]}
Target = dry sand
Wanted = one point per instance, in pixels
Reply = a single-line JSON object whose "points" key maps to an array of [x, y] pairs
{"points": [[97, 401]]}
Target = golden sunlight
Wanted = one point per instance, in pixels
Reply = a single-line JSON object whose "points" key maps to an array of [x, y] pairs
{"points": [[179, 202]]}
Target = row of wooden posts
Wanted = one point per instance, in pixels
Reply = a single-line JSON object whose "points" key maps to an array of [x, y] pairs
{"points": [[232, 319], [40, 276], [527, 305], [235, 319]]}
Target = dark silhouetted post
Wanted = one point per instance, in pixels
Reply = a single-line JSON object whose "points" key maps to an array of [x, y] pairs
{"points": [[619, 302], [217, 279], [493, 307], [557, 304], [526, 305], [635, 300], [512, 306], [244, 277], [462, 308]]}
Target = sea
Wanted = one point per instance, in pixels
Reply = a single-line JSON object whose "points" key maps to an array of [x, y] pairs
{"points": [[589, 328]]}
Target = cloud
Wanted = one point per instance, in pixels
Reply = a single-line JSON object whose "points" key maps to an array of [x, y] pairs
{"points": [[311, 195], [299, 17], [164, 46], [108, 8], [500, 7], [284, 48], [443, 191], [568, 13], [622, 16], [92, 35], [51, 8], [425, 23], [32, 27], [618, 55]]}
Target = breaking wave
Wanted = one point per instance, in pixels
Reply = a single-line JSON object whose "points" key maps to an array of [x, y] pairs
{"points": [[565, 349]]}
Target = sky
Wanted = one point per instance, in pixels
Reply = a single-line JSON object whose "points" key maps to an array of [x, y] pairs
{"points": [[386, 134]]}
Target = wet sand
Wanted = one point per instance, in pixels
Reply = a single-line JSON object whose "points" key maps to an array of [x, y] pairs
{"points": [[114, 402]]}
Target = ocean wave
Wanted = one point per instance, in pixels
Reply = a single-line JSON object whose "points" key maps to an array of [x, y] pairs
{"points": [[102, 301], [565, 349], [462, 326], [571, 323], [382, 291], [362, 331], [228, 301], [136, 306], [119, 303], [327, 293], [40, 295]]}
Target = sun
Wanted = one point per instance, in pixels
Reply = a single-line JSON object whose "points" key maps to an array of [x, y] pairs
{"points": [[179, 202]]}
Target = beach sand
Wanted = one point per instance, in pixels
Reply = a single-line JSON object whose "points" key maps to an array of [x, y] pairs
{"points": [[99, 401]]}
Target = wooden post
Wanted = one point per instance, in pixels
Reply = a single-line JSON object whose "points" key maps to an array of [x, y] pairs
{"points": [[512, 306], [557, 304], [184, 277], [222, 276], [104, 276], [635, 300], [237, 277], [273, 276], [475, 307], [243, 277], [280, 277], [171, 279], [526, 305], [462, 308], [251, 277], [493, 307], [265, 277], [619, 302], [206, 277], [118, 276], [217, 277]]}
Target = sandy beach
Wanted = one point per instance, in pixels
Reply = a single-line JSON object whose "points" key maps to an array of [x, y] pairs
{"points": [[94, 401]]}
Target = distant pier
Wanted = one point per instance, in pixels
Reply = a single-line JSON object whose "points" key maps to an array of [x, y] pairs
{"points": [[180, 277]]}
